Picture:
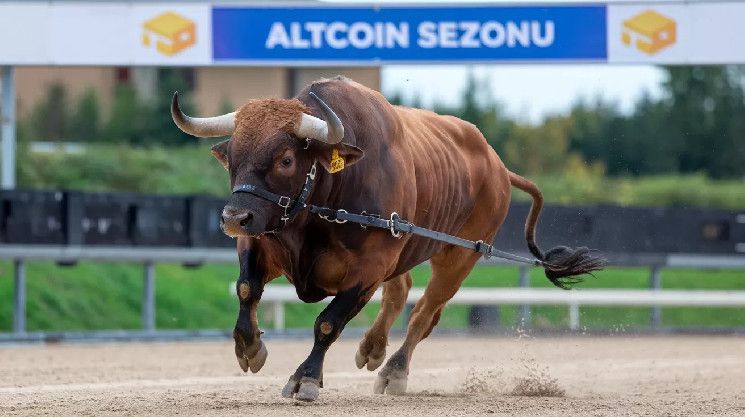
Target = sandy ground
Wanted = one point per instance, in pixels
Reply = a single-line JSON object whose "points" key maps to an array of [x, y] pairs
{"points": [[612, 376]]}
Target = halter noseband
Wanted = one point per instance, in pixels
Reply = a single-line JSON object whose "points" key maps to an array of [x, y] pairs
{"points": [[291, 206]]}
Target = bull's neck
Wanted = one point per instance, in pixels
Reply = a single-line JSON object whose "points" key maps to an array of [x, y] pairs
{"points": [[305, 226]]}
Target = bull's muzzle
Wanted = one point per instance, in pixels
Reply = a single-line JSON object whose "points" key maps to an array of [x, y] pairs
{"points": [[236, 222]]}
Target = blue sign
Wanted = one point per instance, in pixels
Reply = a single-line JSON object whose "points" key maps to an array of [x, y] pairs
{"points": [[409, 34]]}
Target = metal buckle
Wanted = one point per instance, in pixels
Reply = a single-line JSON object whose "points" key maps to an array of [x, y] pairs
{"points": [[393, 221], [284, 198], [307, 143], [337, 216], [312, 172], [479, 245]]}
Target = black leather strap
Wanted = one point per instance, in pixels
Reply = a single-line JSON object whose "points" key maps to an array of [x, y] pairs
{"points": [[292, 206]]}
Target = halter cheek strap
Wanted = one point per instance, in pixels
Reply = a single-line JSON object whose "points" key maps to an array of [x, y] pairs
{"points": [[291, 206]]}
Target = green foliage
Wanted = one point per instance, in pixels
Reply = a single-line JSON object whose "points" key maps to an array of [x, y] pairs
{"points": [[85, 124], [157, 126], [131, 120], [182, 170], [124, 124], [695, 127], [49, 120]]}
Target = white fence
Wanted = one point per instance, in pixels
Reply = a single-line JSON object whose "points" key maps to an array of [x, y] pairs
{"points": [[279, 295]]}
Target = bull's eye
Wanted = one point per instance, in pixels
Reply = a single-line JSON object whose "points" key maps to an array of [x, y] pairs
{"points": [[286, 162]]}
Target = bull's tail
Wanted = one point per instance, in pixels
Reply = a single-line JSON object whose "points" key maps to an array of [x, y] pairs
{"points": [[563, 265]]}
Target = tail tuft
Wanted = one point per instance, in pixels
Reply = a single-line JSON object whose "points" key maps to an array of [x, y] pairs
{"points": [[564, 265]]}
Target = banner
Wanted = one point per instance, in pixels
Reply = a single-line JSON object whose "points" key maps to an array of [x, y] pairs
{"points": [[411, 34], [202, 34]]}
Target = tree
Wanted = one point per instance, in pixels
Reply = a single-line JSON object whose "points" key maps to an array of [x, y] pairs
{"points": [[85, 124], [539, 150], [124, 123], [705, 119], [157, 126], [49, 119]]}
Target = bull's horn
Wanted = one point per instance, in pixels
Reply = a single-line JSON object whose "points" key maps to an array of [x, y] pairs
{"points": [[329, 131], [203, 127]]}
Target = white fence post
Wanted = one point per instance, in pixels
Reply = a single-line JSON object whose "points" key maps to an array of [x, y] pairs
{"points": [[655, 283], [148, 297], [573, 316], [523, 314], [278, 312], [19, 297]]}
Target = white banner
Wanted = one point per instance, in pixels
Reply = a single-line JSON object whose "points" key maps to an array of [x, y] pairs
{"points": [[126, 33], [691, 33], [105, 34]]}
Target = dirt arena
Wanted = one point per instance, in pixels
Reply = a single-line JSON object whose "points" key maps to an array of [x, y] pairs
{"points": [[613, 376]]}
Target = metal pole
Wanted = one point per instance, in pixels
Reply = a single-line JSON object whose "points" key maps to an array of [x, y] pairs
{"points": [[655, 283], [8, 119], [291, 80], [19, 297], [523, 314], [148, 297]]}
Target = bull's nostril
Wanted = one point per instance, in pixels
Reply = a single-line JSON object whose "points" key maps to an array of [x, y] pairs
{"points": [[246, 220]]}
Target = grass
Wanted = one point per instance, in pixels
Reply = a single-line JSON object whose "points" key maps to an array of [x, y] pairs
{"points": [[91, 296]]}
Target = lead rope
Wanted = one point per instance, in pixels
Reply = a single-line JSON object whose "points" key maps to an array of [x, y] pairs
{"points": [[398, 227]]}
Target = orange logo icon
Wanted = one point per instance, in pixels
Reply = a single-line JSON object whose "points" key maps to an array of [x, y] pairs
{"points": [[649, 32], [170, 32]]}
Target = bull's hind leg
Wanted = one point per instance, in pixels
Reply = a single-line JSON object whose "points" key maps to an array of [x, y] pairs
{"points": [[449, 268], [372, 347]]}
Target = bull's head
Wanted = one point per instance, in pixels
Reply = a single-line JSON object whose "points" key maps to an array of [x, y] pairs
{"points": [[273, 144]]}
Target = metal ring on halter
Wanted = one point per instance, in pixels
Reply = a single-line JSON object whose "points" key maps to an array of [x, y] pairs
{"points": [[337, 216], [485, 252], [307, 143], [394, 218], [312, 173], [284, 201]]}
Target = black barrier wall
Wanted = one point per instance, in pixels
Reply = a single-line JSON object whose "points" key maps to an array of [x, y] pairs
{"points": [[129, 219]]}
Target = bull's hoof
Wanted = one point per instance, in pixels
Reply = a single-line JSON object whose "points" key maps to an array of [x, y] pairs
{"points": [[371, 354], [291, 387], [391, 381], [255, 361], [305, 389]]}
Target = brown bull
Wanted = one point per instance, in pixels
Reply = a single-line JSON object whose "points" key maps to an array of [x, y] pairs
{"points": [[436, 171]]}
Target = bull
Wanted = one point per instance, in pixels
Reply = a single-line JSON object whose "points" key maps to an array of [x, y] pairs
{"points": [[437, 171]]}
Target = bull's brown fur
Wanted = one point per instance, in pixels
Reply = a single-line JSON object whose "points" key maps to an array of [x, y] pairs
{"points": [[437, 171], [261, 118]]}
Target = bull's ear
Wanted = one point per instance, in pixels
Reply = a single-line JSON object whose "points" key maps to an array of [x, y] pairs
{"points": [[220, 152], [337, 157]]}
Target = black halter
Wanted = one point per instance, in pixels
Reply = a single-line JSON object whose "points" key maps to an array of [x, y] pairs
{"points": [[291, 206]]}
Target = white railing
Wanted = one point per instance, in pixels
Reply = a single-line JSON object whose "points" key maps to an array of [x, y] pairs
{"points": [[279, 295]]}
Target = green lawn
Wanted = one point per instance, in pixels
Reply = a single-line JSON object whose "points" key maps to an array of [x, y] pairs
{"points": [[92, 296]]}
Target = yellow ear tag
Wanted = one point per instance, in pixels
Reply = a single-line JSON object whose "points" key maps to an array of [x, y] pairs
{"points": [[337, 162]]}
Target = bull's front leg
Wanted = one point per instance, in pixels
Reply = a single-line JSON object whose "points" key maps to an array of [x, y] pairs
{"points": [[249, 349], [304, 384]]}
